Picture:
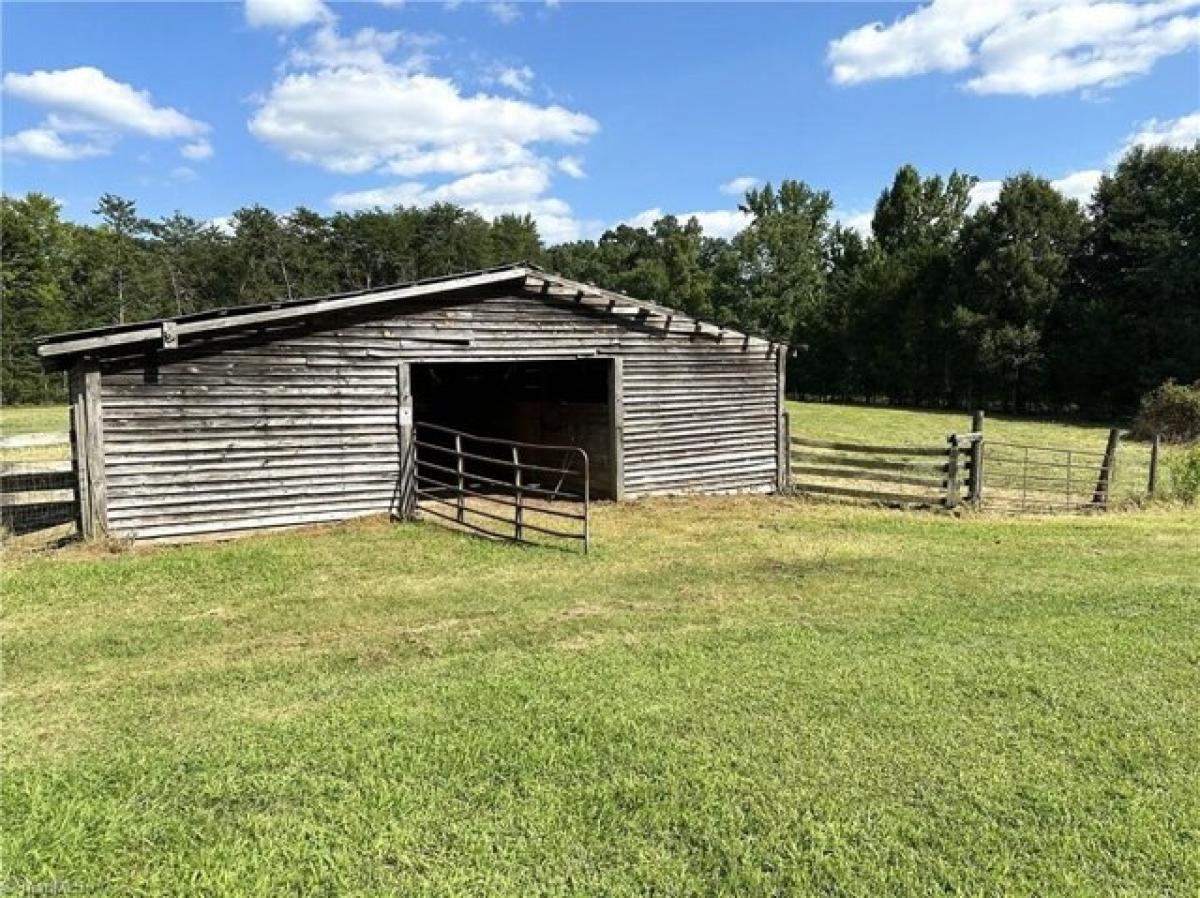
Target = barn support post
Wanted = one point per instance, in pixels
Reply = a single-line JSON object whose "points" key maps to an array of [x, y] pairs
{"points": [[782, 454], [616, 410], [88, 448], [406, 505]]}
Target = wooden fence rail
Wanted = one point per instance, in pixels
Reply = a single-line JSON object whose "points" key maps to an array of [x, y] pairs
{"points": [[35, 496], [919, 476], [34, 440]]}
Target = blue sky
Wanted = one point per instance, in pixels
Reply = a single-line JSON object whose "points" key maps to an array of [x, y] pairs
{"points": [[583, 114]]}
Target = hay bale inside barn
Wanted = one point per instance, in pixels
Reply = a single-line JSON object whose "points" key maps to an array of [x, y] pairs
{"points": [[299, 412]]}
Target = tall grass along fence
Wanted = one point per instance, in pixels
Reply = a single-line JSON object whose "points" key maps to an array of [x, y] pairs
{"points": [[969, 469], [36, 495]]}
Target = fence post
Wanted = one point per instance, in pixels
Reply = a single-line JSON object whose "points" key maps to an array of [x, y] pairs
{"points": [[1155, 446], [976, 481], [458, 457], [951, 500], [1104, 481], [519, 513]]}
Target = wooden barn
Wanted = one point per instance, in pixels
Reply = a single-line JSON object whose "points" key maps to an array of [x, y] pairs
{"points": [[306, 411]]}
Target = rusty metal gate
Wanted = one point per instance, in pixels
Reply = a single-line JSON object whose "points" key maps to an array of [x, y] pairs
{"points": [[523, 492]]}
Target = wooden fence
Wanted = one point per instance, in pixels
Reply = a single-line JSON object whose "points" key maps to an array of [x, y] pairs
{"points": [[37, 495], [523, 492], [968, 469], [920, 476]]}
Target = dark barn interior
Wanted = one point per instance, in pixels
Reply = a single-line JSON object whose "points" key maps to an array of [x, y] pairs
{"points": [[552, 402]]}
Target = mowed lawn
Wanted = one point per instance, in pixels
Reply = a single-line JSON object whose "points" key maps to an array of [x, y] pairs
{"points": [[740, 696]]}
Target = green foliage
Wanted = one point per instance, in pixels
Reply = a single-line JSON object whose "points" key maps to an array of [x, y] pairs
{"points": [[1171, 411], [1133, 319], [1013, 262], [1184, 472], [1027, 303], [33, 299]]}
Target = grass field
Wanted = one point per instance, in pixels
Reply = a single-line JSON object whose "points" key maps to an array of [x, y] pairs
{"points": [[741, 696], [33, 419], [22, 419]]}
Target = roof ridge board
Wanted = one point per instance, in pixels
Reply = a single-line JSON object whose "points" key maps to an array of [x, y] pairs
{"points": [[251, 315], [226, 311]]}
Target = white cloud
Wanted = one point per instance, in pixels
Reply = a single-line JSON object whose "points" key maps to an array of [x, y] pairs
{"points": [[516, 79], [1180, 133], [738, 186], [354, 120], [500, 187], [459, 159], [714, 222], [1078, 185], [182, 174], [984, 193], [571, 166], [366, 49], [286, 14], [46, 143], [1029, 47], [504, 12], [197, 151], [518, 190], [223, 223], [85, 100], [95, 98], [855, 220], [345, 104]]}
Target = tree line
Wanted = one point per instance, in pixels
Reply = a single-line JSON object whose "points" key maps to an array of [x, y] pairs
{"points": [[1030, 302]]}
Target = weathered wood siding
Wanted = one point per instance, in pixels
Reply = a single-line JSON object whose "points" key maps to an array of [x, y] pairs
{"points": [[300, 426]]}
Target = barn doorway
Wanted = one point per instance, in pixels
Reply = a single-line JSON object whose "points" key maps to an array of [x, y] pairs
{"points": [[562, 402]]}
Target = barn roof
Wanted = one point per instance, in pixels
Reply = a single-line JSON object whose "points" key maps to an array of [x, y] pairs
{"points": [[57, 349]]}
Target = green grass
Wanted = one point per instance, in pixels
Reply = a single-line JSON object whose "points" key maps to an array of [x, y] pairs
{"points": [[737, 696], [21, 419], [923, 427], [15, 419]]}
